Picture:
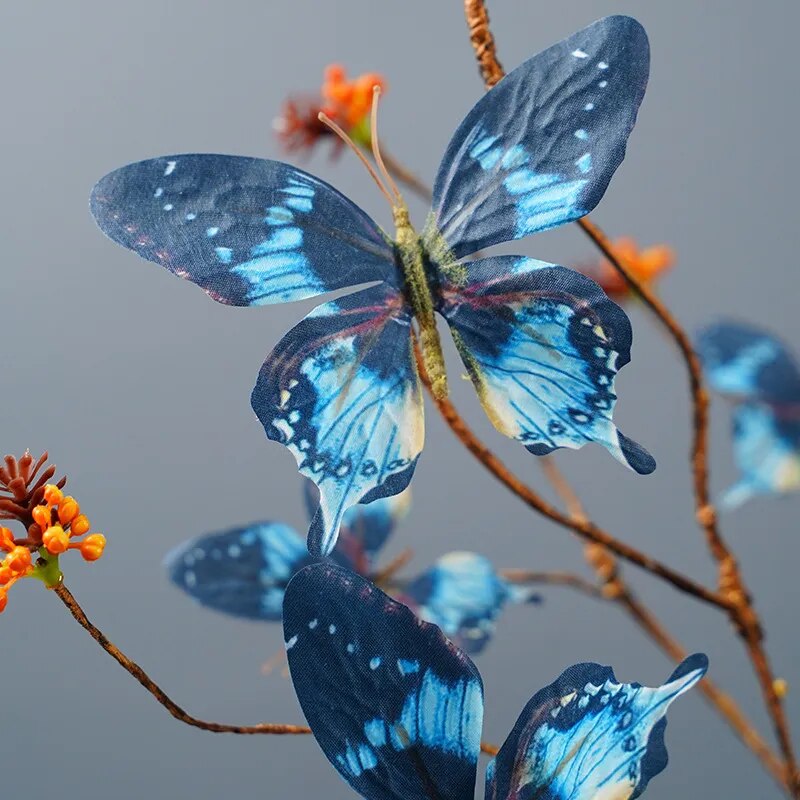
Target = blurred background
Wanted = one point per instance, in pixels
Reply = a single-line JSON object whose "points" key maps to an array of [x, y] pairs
{"points": [[139, 385]]}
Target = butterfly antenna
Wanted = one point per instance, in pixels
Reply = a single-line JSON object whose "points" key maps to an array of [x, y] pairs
{"points": [[376, 150], [342, 134]]}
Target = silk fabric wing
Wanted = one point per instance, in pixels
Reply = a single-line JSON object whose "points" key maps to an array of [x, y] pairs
{"points": [[748, 363], [463, 594], [540, 147], [393, 705], [587, 736], [542, 345], [767, 451], [341, 392], [248, 231], [244, 571]]}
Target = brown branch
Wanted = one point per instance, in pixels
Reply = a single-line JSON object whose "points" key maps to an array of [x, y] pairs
{"points": [[393, 567], [483, 42], [160, 695], [405, 176], [569, 579], [731, 583], [585, 529]]}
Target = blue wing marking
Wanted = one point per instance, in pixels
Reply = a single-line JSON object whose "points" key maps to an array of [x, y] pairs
{"points": [[242, 572], [749, 363], [341, 392], [246, 230], [767, 451], [542, 345], [540, 147], [393, 705], [586, 736], [463, 594]]}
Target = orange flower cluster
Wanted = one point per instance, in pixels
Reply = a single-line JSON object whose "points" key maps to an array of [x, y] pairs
{"points": [[645, 265], [347, 102], [57, 525]]}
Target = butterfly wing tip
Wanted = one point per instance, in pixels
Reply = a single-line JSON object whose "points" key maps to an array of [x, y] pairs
{"points": [[635, 456]]}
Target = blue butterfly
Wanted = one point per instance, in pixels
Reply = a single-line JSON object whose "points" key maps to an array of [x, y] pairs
{"points": [[397, 709], [758, 372], [541, 343], [244, 571]]}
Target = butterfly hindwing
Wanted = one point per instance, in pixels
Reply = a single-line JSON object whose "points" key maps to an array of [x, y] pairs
{"points": [[247, 230], [539, 149], [463, 594], [341, 391], [393, 705], [242, 572], [542, 345], [365, 527], [749, 363], [586, 736], [766, 445]]}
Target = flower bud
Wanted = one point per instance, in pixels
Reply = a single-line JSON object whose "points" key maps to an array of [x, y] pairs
{"points": [[55, 540]]}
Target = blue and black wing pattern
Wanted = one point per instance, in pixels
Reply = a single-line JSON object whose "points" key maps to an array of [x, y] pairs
{"points": [[463, 594], [539, 149], [393, 705], [586, 737], [766, 446], [242, 572], [365, 528], [248, 231], [341, 391], [542, 345], [749, 363]]}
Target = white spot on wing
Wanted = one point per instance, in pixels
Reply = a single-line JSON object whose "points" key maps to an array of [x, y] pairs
{"points": [[580, 54], [170, 167]]}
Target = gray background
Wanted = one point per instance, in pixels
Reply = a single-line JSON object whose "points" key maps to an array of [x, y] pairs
{"points": [[139, 385]]}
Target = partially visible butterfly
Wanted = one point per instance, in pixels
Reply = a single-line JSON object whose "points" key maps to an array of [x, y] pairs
{"points": [[541, 343], [398, 709], [244, 572], [759, 373]]}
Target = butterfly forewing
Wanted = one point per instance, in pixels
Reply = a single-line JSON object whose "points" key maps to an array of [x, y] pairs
{"points": [[341, 391], [393, 705], [748, 363], [242, 572], [539, 149], [586, 737], [246, 230], [766, 446], [542, 345]]}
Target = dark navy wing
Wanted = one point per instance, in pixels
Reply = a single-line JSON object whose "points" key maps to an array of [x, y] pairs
{"points": [[247, 231], [341, 391], [394, 706], [242, 572], [749, 363], [365, 528], [586, 737], [766, 446], [463, 594], [543, 345], [539, 149]]}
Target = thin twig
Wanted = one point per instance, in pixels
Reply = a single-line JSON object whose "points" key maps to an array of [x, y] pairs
{"points": [[525, 576], [585, 529], [615, 588], [394, 566], [160, 695], [731, 583]]}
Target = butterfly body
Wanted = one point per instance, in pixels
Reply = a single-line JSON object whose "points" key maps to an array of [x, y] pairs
{"points": [[416, 278]]}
